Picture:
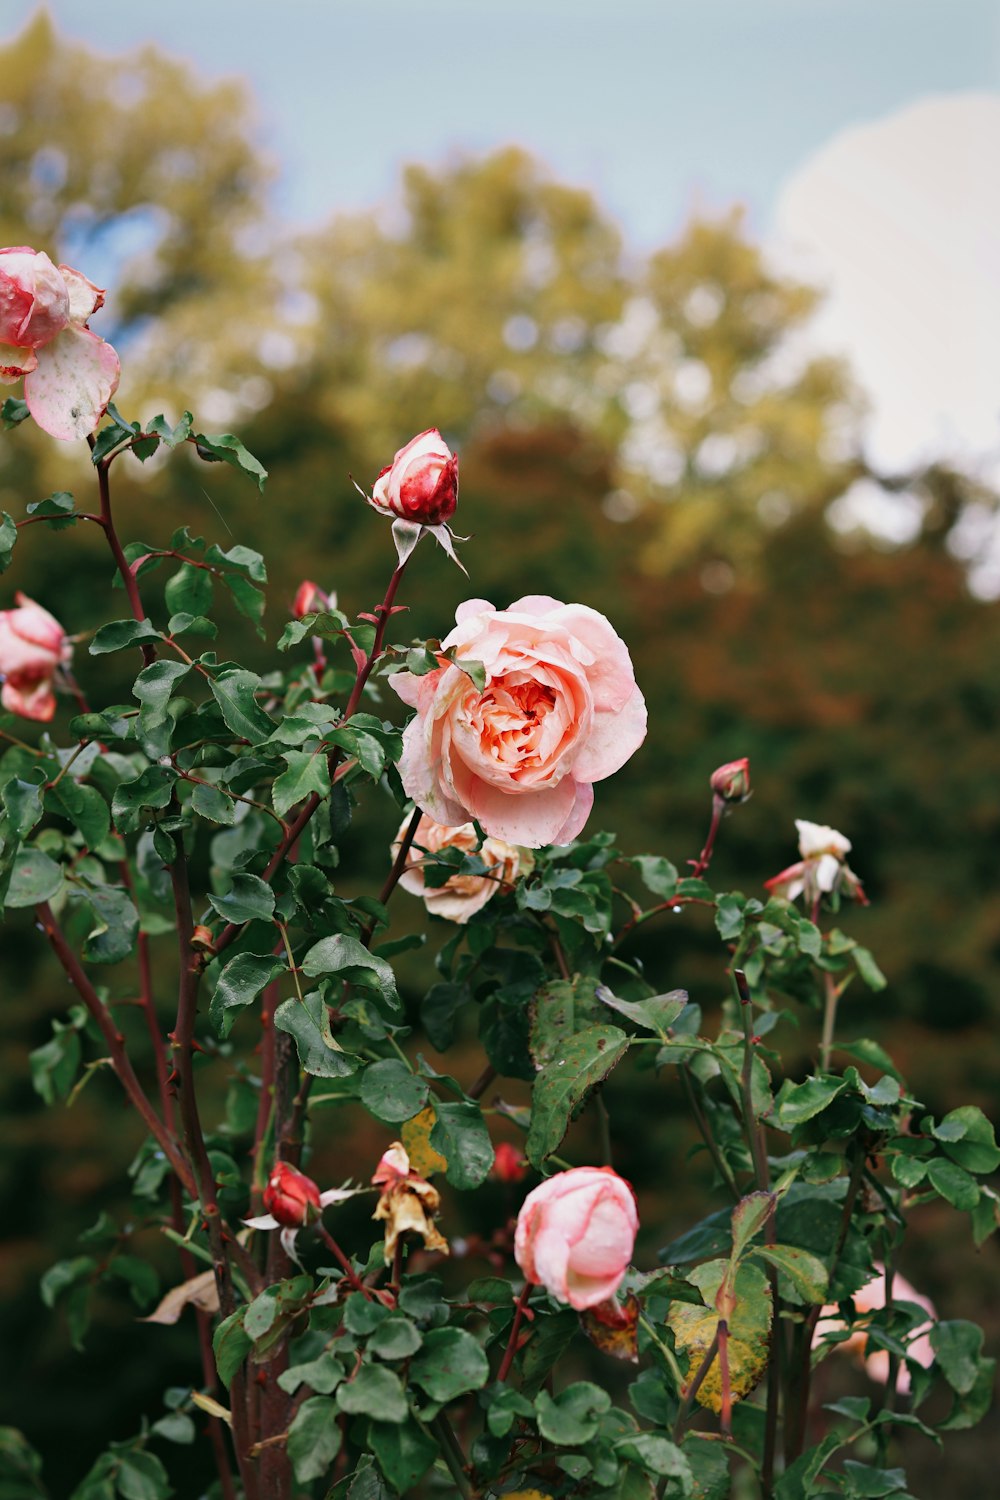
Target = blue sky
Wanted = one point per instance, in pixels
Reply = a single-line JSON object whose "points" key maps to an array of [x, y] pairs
{"points": [[656, 104]]}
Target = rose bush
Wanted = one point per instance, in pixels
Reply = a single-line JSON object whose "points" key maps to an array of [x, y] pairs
{"points": [[559, 710], [575, 1235], [70, 374], [33, 646]]}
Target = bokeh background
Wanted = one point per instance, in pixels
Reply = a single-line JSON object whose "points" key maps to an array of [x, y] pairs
{"points": [[707, 297]]}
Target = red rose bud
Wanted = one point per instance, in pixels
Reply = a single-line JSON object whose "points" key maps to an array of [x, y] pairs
{"points": [[509, 1164], [309, 599], [731, 782], [421, 483], [290, 1196]]}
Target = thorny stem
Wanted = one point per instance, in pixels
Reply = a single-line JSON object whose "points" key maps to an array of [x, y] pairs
{"points": [[116, 1046], [701, 864], [701, 1120], [726, 1409], [452, 1453], [106, 522], [399, 863], [520, 1309], [833, 993], [751, 1125], [352, 1276], [695, 1386]]}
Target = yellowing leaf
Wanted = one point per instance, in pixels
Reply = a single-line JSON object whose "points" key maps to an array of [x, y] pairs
{"points": [[200, 1290], [213, 1407], [416, 1134], [695, 1327]]}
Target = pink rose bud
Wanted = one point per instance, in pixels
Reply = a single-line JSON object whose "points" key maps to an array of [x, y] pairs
{"points": [[421, 483], [731, 782], [509, 1163], [309, 599], [575, 1235], [32, 646], [291, 1196]]}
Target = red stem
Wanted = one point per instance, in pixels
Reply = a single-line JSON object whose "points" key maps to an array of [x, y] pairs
{"points": [[701, 864], [106, 522], [515, 1328]]}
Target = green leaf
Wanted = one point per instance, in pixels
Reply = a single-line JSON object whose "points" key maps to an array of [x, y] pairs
{"points": [[451, 1363], [460, 1135], [211, 803], [248, 899], [273, 1309], [323, 1374], [13, 411], [189, 590], [234, 692], [559, 1010], [8, 534], [153, 688], [54, 1065], [223, 447], [141, 1476], [572, 1417], [35, 877], [395, 1338], [658, 875], [231, 1345], [64, 1275], [391, 1092], [868, 968], [729, 916], [374, 1392], [141, 1278], [176, 1427], [152, 789], [346, 956], [562, 1086], [307, 772], [749, 1217], [404, 1451], [116, 923], [658, 1455], [970, 1409], [239, 984], [307, 1022], [864, 1482], [85, 808], [805, 1271], [798, 1102], [958, 1345], [121, 633], [314, 1438], [967, 1137], [953, 1183], [656, 1014], [23, 803]]}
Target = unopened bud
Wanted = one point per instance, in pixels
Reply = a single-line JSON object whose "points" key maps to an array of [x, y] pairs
{"points": [[509, 1163], [310, 599], [291, 1196], [731, 782]]}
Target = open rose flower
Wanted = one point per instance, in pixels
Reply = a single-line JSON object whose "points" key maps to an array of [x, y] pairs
{"points": [[575, 1235], [560, 709], [33, 646], [871, 1298], [822, 869], [408, 1202], [461, 895], [69, 373]]}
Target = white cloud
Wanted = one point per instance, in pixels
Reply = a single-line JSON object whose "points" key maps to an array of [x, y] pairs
{"points": [[900, 220]]}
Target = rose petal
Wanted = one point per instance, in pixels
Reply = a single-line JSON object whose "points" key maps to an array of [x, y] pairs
{"points": [[15, 362], [32, 700], [613, 738], [76, 377], [84, 297]]}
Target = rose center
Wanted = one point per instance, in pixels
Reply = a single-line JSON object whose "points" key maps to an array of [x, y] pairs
{"points": [[510, 718]]}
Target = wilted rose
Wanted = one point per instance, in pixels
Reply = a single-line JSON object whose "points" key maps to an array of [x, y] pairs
{"points": [[461, 895], [408, 1203], [69, 373], [33, 646], [822, 869], [560, 709], [575, 1234], [421, 483]]}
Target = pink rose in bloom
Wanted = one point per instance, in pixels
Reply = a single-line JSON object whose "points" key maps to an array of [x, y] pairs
{"points": [[871, 1298], [822, 869], [421, 483], [33, 646], [290, 1196], [575, 1235], [461, 895], [69, 373], [310, 599], [560, 710]]}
